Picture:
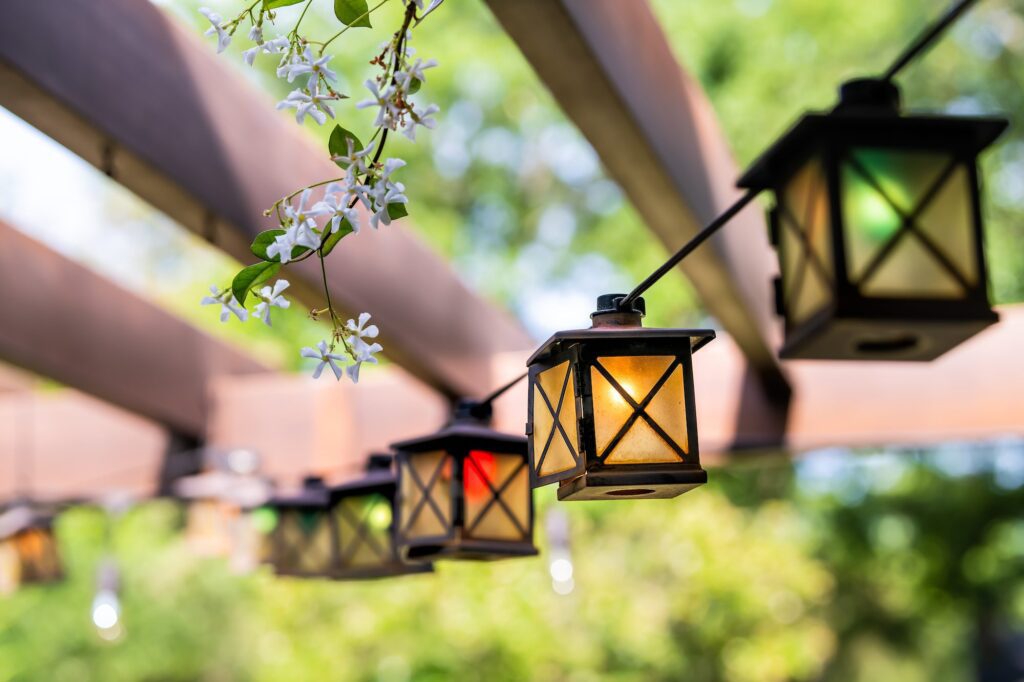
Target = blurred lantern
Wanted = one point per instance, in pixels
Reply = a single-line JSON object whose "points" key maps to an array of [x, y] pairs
{"points": [[28, 549], [611, 408], [464, 492], [220, 505], [106, 605], [878, 229], [362, 515], [300, 541]]}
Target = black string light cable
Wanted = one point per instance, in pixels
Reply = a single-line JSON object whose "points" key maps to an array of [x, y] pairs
{"points": [[920, 44]]}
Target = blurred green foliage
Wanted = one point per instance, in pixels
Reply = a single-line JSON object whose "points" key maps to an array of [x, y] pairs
{"points": [[839, 568]]}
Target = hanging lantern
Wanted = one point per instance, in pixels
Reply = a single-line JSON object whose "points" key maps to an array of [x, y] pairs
{"points": [[611, 409], [28, 549], [221, 503], [299, 542], [877, 223], [464, 492], [362, 516]]}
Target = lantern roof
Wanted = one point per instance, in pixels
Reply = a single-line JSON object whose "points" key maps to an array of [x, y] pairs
{"points": [[371, 481], [559, 341], [21, 518], [869, 113], [314, 494], [463, 431]]}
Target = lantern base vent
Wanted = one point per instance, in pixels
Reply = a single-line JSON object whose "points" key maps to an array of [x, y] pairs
{"points": [[640, 483]]}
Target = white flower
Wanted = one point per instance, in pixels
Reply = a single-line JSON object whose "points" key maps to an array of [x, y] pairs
{"points": [[223, 38], [271, 297], [282, 246], [256, 34], [323, 354], [314, 105], [430, 8], [423, 117], [385, 191], [336, 205], [360, 330], [415, 72], [228, 304], [364, 353], [307, 64], [387, 115], [271, 46], [355, 160]]}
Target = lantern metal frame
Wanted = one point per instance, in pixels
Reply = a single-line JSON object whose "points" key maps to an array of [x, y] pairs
{"points": [[380, 479], [852, 324], [312, 498], [468, 432], [615, 333]]}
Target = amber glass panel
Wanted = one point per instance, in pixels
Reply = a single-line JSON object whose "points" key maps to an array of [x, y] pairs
{"points": [[879, 185], [492, 521], [37, 550], [428, 521], [302, 542], [10, 568], [638, 375], [561, 454], [364, 537], [806, 248], [208, 528]]}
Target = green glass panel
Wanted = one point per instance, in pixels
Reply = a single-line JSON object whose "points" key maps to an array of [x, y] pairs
{"points": [[877, 185]]}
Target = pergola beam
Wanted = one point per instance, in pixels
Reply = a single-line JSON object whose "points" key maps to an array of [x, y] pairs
{"points": [[610, 67], [65, 322], [157, 109]]}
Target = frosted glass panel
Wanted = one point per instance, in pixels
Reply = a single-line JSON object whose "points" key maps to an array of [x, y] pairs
{"points": [[806, 243], [949, 222], [488, 520], [560, 454], [428, 521], [910, 270], [638, 375], [302, 542]]}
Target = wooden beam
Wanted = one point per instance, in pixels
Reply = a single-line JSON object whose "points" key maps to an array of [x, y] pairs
{"points": [[186, 131], [610, 67], [66, 446], [63, 321]]}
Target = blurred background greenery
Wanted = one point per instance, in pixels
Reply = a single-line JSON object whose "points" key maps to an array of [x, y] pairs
{"points": [[846, 566], [841, 566]]}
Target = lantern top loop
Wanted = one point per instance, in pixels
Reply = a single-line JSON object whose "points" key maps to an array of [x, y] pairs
{"points": [[871, 94], [380, 461]]}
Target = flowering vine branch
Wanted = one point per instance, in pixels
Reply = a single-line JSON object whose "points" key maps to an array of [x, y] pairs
{"points": [[313, 219]]}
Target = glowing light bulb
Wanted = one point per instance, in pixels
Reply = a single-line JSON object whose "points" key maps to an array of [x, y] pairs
{"points": [[379, 517], [105, 610], [561, 570]]}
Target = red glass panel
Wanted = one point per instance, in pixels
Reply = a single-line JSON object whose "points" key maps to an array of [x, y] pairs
{"points": [[480, 468]]}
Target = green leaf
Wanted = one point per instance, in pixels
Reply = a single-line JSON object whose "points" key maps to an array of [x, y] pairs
{"points": [[338, 144], [396, 211], [414, 86], [262, 241], [250, 277], [352, 12], [344, 229], [274, 4], [265, 239]]}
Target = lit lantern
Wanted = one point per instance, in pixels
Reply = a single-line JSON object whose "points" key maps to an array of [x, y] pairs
{"points": [[611, 409], [464, 492], [220, 508], [878, 229], [28, 549], [299, 541], [362, 516]]}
